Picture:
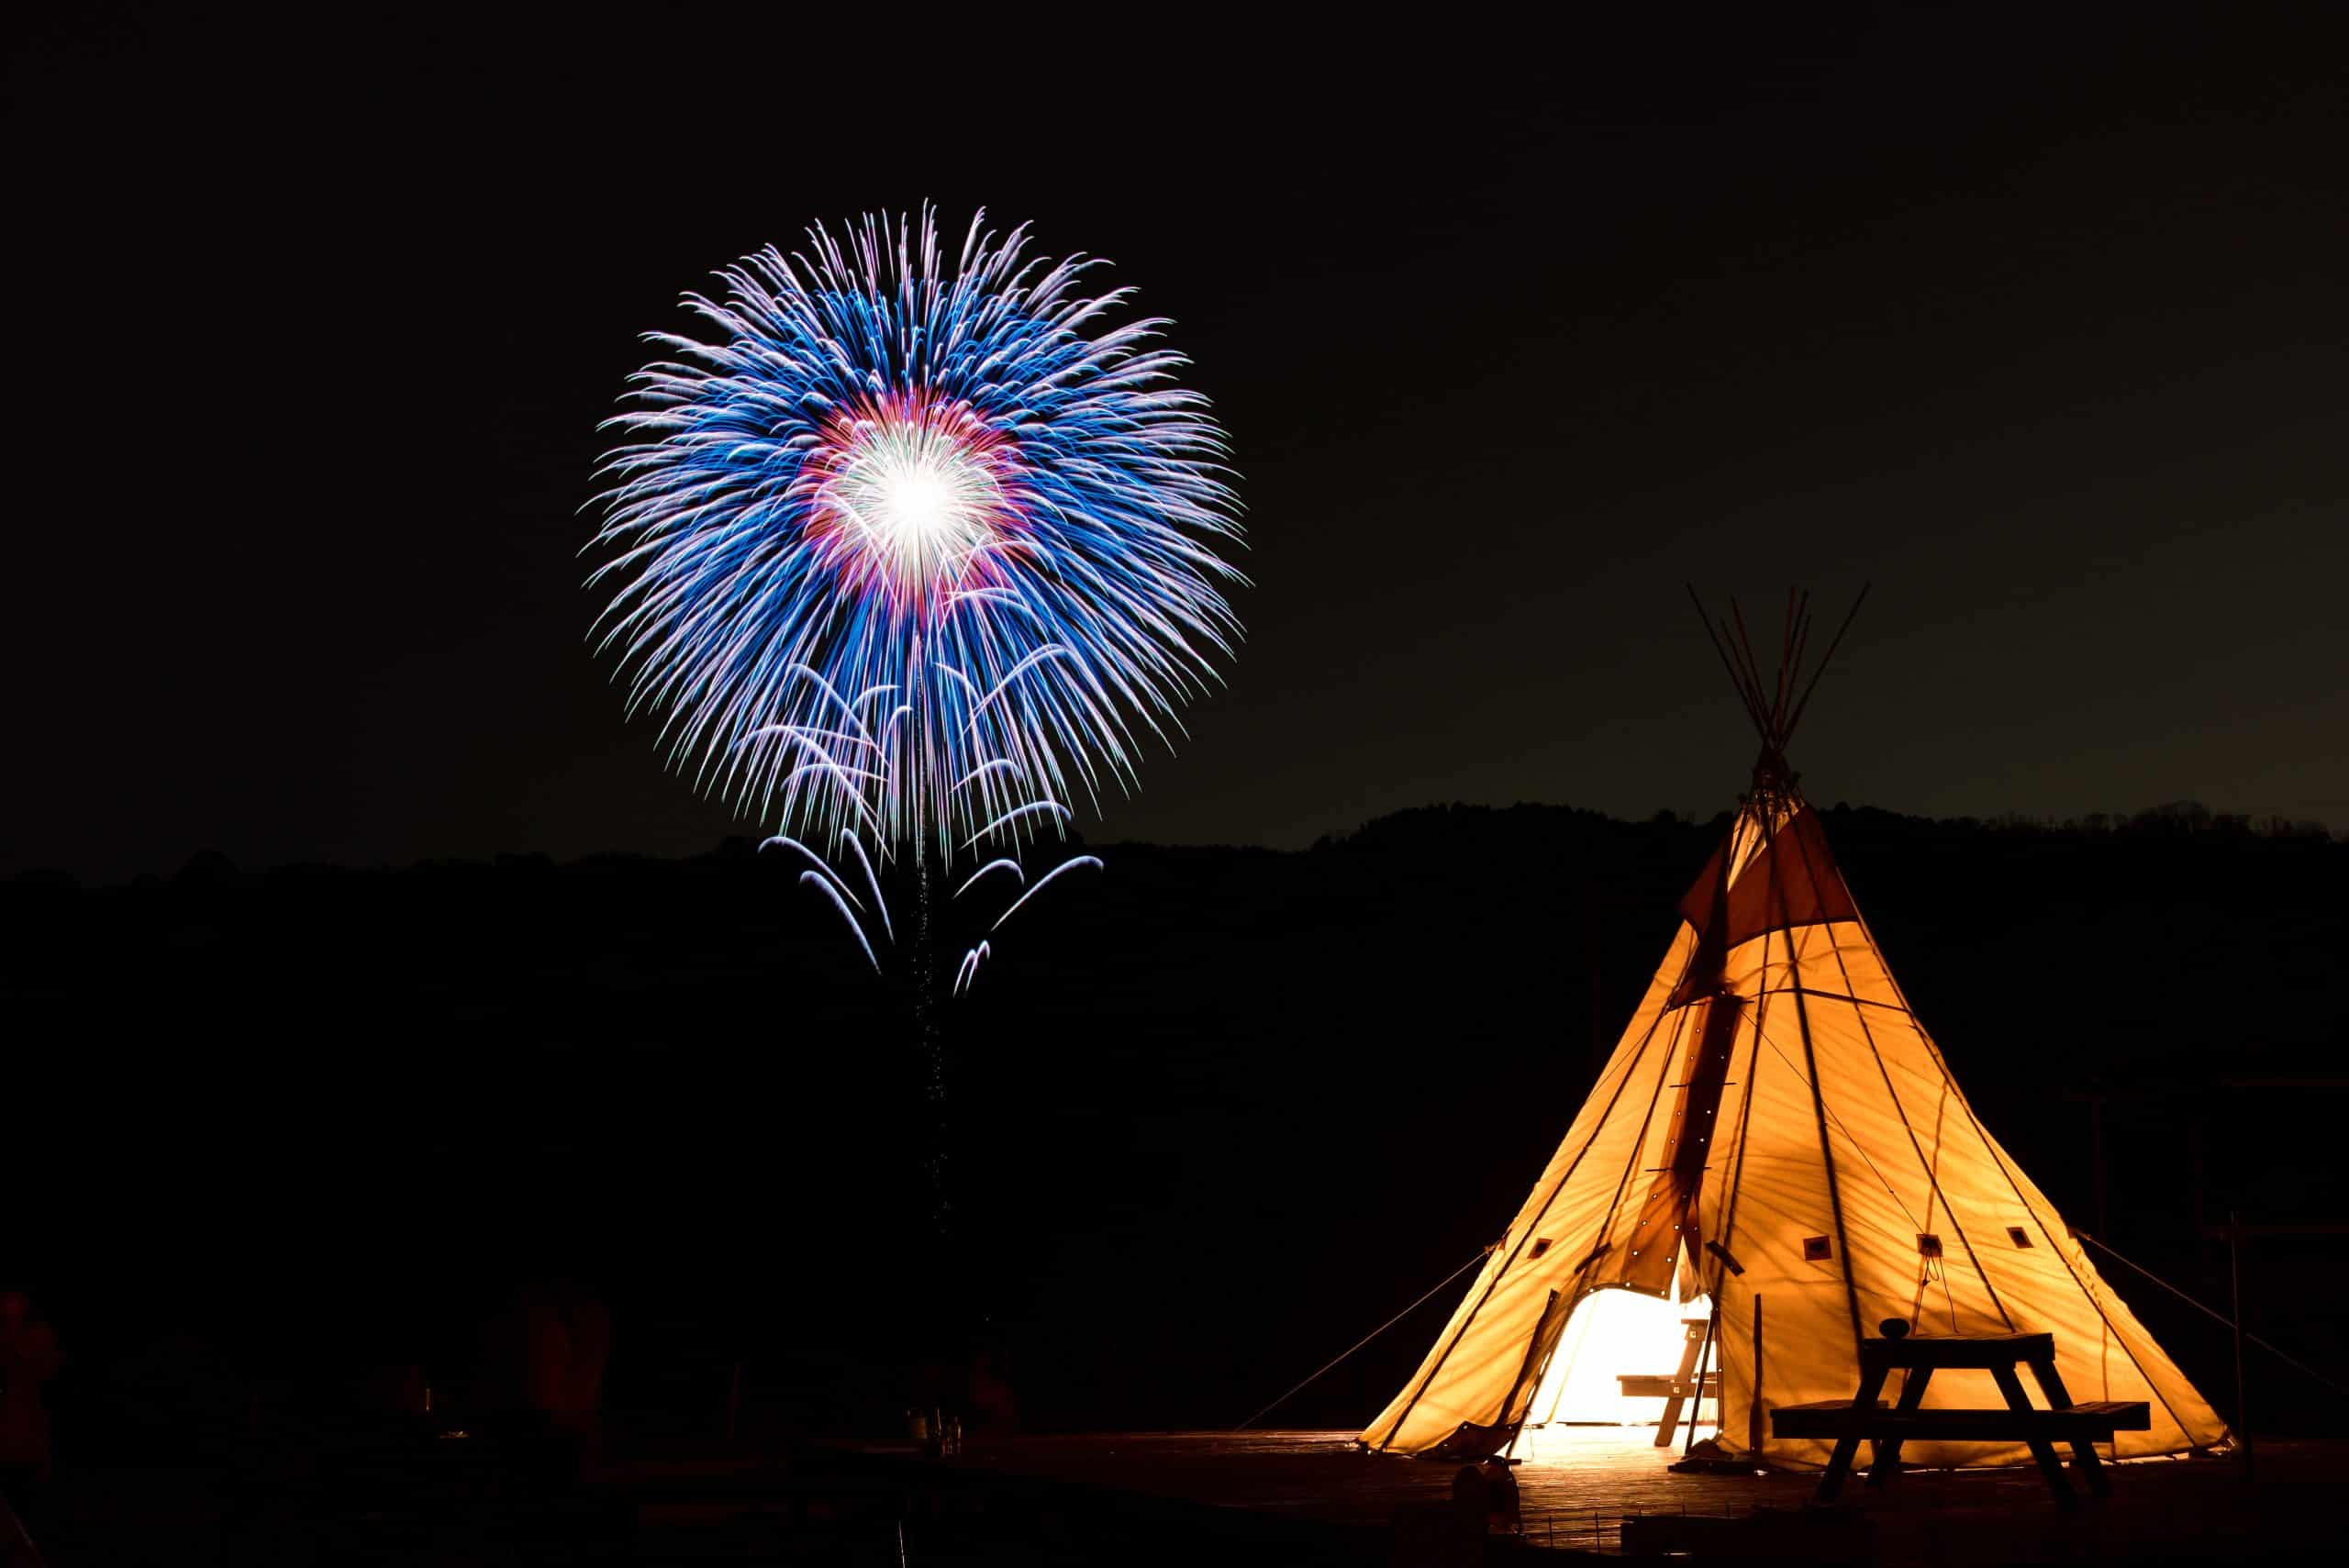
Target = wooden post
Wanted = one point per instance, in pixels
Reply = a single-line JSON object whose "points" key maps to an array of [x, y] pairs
{"points": [[2197, 1136], [2095, 1149], [1754, 1394], [2235, 1273]]}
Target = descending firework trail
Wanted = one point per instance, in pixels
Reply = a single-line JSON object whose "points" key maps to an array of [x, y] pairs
{"points": [[934, 530], [971, 912], [844, 872]]}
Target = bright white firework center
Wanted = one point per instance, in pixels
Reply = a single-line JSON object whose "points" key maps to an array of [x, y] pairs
{"points": [[916, 498]]}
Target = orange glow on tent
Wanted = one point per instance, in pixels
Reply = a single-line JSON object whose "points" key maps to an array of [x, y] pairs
{"points": [[1776, 1108]]}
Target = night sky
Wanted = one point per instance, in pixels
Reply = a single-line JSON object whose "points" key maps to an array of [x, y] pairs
{"points": [[2038, 321]]}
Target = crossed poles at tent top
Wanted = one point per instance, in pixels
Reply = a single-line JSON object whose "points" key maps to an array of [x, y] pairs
{"points": [[1774, 706]]}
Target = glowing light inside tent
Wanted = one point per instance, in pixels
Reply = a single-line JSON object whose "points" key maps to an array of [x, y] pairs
{"points": [[1613, 1333]]}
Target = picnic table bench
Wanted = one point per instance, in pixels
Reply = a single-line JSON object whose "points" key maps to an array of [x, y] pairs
{"points": [[1864, 1416]]}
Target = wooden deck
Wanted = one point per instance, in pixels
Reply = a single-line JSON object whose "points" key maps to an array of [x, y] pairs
{"points": [[1578, 1486]]}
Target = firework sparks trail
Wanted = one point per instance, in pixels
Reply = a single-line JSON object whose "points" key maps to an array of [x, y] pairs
{"points": [[1043, 882], [869, 921]]}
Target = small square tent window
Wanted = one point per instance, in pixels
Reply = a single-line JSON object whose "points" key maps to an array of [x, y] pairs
{"points": [[2018, 1236], [1928, 1244], [1541, 1245], [1817, 1248]]}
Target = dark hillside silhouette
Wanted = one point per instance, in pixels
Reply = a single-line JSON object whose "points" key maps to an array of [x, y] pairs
{"points": [[281, 1139]]}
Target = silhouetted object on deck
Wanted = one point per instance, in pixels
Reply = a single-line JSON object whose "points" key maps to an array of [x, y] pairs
{"points": [[401, 1386], [1486, 1494], [29, 1358], [547, 1357], [993, 1407], [1440, 1534]]}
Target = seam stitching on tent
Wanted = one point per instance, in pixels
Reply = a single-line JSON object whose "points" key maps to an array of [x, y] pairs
{"points": [[1933, 1180], [1819, 1103], [1733, 1181]]}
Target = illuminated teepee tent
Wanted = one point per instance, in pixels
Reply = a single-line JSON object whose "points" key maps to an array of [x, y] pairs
{"points": [[1777, 1132]]}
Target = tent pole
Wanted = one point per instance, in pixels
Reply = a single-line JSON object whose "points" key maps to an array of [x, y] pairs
{"points": [[1786, 651], [1825, 658], [1800, 651], [1736, 679], [1819, 1106], [1753, 1396], [1754, 677], [1927, 1166]]}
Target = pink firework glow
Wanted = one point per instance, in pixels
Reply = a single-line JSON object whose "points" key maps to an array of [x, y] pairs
{"points": [[911, 498]]}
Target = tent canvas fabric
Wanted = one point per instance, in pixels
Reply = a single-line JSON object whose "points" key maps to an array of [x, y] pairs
{"points": [[1776, 1097]]}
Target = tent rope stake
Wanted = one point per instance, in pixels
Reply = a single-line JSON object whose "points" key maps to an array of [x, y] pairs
{"points": [[1366, 1339], [2215, 1316]]}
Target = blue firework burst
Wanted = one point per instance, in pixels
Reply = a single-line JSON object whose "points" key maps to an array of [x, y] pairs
{"points": [[911, 550]]}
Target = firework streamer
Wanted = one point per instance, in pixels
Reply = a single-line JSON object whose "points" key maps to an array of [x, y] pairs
{"points": [[847, 874], [911, 551]]}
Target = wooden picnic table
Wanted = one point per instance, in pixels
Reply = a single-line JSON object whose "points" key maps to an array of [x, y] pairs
{"points": [[1865, 1417]]}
